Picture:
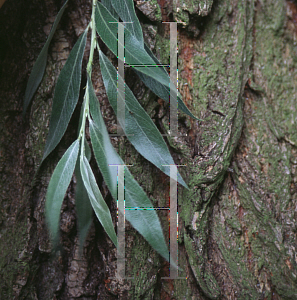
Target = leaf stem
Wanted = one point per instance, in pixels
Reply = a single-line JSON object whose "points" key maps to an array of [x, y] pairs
{"points": [[93, 40], [85, 106]]}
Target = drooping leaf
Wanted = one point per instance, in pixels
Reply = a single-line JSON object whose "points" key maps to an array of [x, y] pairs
{"points": [[40, 64], [139, 128], [66, 95], [135, 54], [146, 222], [125, 9], [100, 207], [57, 188], [161, 90], [153, 57], [110, 8], [104, 152], [83, 205], [88, 152]]}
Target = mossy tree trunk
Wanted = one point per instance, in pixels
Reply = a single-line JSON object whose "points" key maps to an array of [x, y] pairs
{"points": [[237, 221]]}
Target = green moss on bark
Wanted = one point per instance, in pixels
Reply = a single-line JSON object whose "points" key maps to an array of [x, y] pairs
{"points": [[253, 222]]}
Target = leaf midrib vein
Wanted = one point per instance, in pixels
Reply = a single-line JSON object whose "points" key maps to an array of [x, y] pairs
{"points": [[68, 87], [126, 49], [136, 119]]}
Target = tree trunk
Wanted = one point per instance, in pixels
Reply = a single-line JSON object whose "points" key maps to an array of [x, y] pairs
{"points": [[237, 228]]}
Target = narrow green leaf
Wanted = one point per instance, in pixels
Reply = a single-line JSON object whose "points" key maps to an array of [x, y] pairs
{"points": [[88, 152], [100, 207], [66, 95], [153, 57], [104, 152], [139, 128], [110, 8], [57, 188], [40, 64], [125, 9], [159, 89], [146, 222], [83, 206], [134, 51], [163, 92], [135, 54]]}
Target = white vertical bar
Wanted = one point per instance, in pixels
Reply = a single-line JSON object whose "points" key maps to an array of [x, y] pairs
{"points": [[173, 79], [121, 224], [173, 222], [121, 83]]}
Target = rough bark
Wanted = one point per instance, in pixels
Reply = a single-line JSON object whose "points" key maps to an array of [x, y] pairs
{"points": [[237, 228]]}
